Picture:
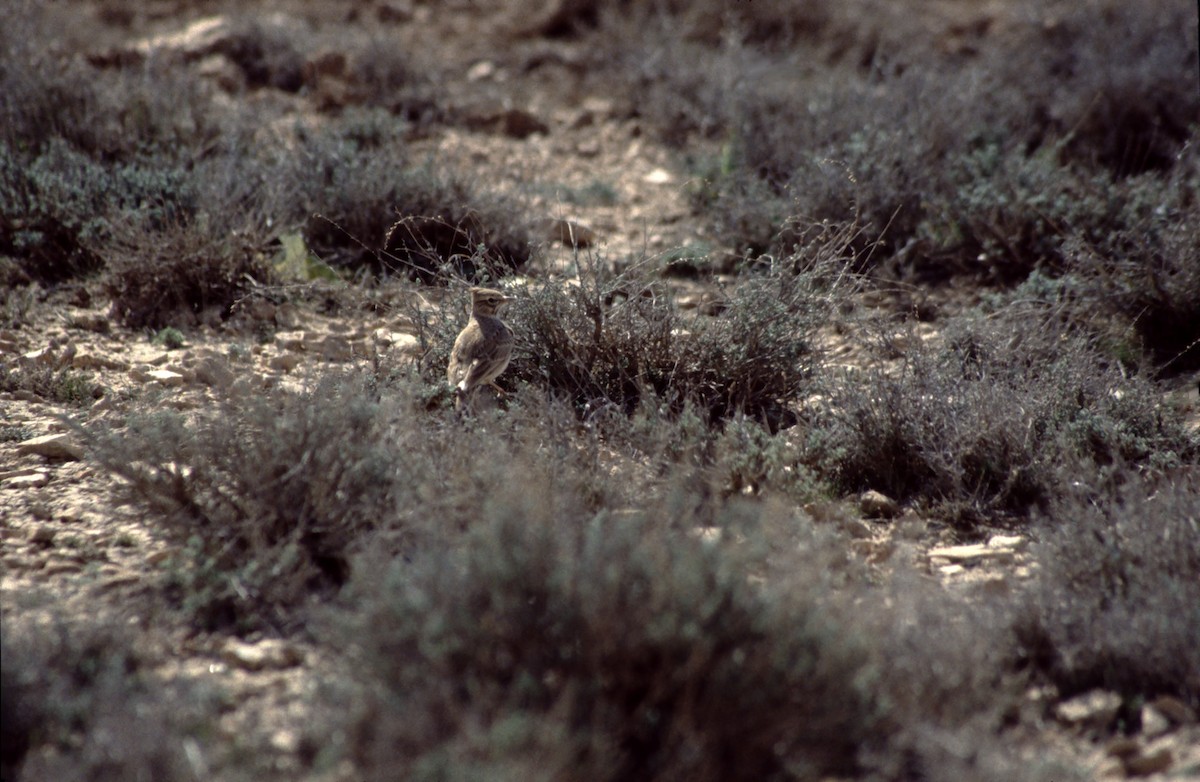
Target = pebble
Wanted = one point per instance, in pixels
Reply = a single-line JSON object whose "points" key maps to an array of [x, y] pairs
{"points": [[266, 654], [972, 554], [1095, 709], [285, 362], [43, 535], [876, 505], [31, 480], [1148, 762]]}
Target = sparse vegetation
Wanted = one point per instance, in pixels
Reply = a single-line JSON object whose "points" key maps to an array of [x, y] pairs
{"points": [[63, 385], [940, 252]]}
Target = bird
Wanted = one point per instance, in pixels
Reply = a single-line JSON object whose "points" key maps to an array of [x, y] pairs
{"points": [[482, 349]]}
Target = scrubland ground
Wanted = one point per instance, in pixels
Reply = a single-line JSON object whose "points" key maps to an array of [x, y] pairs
{"points": [[852, 431]]}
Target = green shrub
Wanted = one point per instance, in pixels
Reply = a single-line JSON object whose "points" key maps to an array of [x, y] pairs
{"points": [[62, 385], [57, 205]]}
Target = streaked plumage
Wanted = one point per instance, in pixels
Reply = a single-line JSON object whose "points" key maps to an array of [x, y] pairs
{"points": [[482, 349]]}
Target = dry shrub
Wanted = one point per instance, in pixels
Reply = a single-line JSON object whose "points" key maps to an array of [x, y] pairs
{"points": [[269, 496], [984, 424], [629, 651], [81, 703], [1116, 600], [617, 340]]}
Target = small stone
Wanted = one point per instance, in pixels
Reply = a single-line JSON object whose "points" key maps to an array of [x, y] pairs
{"points": [[268, 654], [158, 557], [1096, 709], [659, 176], [213, 371], [44, 357], [1174, 709], [971, 554], [165, 377], [569, 232], [291, 340], [261, 309], [42, 535], [395, 12], [1122, 747], [856, 528], [287, 316], [484, 69], [520, 124], [1154, 722], [90, 361], [62, 568], [52, 446], [1148, 762], [336, 348], [116, 582], [876, 505], [32, 480], [398, 342], [1006, 541]]}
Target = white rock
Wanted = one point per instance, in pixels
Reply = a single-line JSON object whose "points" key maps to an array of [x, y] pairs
{"points": [[659, 176], [876, 505], [1006, 541], [35, 480], [1096, 709], [1154, 723], [52, 446], [165, 377], [268, 654], [972, 553]]}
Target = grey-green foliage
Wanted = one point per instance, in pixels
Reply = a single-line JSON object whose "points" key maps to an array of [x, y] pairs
{"points": [[617, 339], [1116, 600], [989, 422], [647, 652], [56, 206]]}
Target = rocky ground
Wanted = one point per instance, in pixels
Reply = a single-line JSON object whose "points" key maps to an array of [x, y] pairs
{"points": [[530, 118]]}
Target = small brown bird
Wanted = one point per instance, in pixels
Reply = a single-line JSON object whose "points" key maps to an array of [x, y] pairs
{"points": [[482, 349]]}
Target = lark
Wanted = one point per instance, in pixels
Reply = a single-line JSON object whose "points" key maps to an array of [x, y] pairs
{"points": [[482, 349]]}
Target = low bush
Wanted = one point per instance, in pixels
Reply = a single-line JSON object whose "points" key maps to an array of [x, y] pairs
{"points": [[380, 212], [983, 164], [984, 425], [603, 649], [268, 497], [616, 339], [1116, 600], [61, 385], [1147, 269], [80, 703]]}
